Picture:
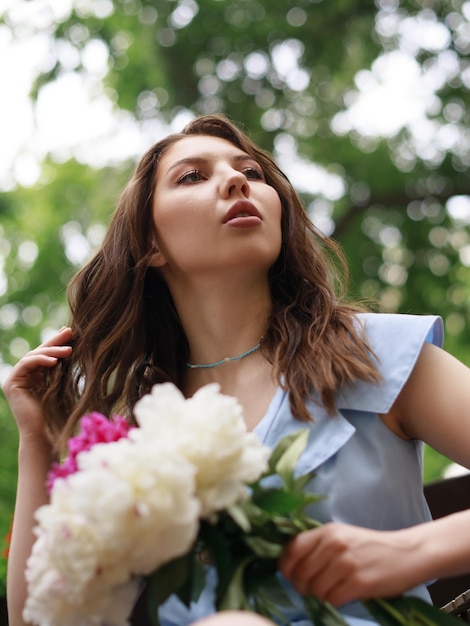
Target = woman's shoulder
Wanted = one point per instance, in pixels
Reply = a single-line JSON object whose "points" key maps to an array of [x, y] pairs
{"points": [[395, 341]]}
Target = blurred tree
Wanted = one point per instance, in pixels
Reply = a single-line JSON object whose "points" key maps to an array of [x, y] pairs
{"points": [[364, 105], [392, 187]]}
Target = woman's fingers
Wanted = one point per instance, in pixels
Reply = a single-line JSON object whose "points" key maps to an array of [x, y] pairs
{"points": [[314, 546], [25, 382], [54, 346], [341, 562], [58, 338], [44, 356], [35, 360]]}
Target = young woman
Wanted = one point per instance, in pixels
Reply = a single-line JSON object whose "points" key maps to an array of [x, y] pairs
{"points": [[212, 272]]}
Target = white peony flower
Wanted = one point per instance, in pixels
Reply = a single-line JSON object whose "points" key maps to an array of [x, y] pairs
{"points": [[163, 521], [120, 603], [91, 509], [130, 508], [208, 430], [55, 600], [134, 504]]}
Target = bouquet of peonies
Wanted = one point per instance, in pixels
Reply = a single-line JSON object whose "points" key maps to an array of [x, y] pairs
{"points": [[134, 504]]}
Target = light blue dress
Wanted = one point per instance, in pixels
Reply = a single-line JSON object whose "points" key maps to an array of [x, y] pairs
{"points": [[372, 477]]}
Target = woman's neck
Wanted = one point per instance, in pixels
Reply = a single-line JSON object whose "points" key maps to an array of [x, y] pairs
{"points": [[222, 319], [250, 380], [226, 319]]}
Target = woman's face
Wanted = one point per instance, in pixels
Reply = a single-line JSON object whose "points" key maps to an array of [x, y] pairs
{"points": [[213, 210]]}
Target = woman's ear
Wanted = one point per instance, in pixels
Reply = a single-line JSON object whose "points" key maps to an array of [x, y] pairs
{"points": [[157, 258]]}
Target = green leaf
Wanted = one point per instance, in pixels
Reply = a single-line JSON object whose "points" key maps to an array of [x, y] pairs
{"points": [[278, 501], [287, 462], [273, 591], [311, 498], [263, 548], [235, 597], [269, 607], [198, 579], [278, 452], [322, 612], [257, 517], [305, 522], [302, 481], [384, 613], [285, 526], [195, 581], [431, 613], [225, 549], [239, 515], [166, 581], [408, 611]]}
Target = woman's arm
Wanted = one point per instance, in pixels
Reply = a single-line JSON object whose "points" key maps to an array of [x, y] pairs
{"points": [[22, 391], [434, 404], [339, 562]]}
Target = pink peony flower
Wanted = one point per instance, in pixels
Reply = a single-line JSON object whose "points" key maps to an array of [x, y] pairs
{"points": [[94, 428]]}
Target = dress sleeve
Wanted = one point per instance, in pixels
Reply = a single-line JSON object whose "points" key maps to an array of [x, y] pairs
{"points": [[396, 342]]}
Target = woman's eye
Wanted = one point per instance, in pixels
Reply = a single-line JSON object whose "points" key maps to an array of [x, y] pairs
{"points": [[193, 176], [254, 173]]}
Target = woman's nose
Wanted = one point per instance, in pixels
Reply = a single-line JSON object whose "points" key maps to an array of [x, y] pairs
{"points": [[234, 182]]}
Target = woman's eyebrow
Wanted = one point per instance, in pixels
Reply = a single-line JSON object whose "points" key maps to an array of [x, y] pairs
{"points": [[186, 160]]}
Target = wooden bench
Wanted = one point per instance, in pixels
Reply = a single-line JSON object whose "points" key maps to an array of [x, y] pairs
{"points": [[444, 497]]}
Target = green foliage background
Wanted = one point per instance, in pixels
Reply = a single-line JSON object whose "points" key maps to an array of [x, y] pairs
{"points": [[406, 249]]}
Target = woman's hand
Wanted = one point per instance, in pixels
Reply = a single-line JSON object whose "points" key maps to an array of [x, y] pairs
{"points": [[340, 563], [23, 389], [24, 385]]}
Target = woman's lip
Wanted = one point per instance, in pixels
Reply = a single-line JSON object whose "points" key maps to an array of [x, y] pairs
{"points": [[247, 221], [244, 212]]}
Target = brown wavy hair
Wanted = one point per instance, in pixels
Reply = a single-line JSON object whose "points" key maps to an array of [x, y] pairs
{"points": [[126, 332]]}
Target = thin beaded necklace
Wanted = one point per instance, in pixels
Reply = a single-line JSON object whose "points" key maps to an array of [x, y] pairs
{"points": [[227, 359]]}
